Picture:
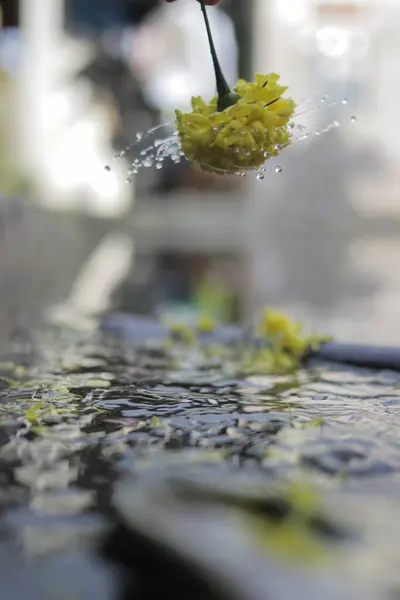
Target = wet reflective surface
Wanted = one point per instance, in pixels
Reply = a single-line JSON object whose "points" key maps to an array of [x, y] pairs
{"points": [[98, 436]]}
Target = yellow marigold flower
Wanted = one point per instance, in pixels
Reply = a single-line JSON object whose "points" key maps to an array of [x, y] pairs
{"points": [[180, 332], [287, 345], [275, 322], [206, 323], [282, 331], [242, 136]]}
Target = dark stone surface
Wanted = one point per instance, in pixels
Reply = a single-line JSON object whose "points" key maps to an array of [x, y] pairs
{"points": [[87, 418]]}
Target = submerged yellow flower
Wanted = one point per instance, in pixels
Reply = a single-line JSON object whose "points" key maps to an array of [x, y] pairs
{"points": [[242, 136]]}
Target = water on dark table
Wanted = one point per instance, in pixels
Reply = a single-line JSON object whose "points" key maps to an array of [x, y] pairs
{"points": [[135, 471]]}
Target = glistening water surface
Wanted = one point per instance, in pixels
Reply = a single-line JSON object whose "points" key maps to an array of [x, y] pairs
{"points": [[103, 440]]}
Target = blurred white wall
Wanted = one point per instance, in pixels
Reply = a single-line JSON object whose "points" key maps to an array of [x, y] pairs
{"points": [[64, 136], [326, 230]]}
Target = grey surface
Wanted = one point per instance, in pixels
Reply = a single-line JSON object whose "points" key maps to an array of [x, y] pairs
{"points": [[128, 412]]}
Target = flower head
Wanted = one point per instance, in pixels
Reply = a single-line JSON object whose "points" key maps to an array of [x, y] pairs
{"points": [[243, 135], [287, 344], [282, 331], [206, 323]]}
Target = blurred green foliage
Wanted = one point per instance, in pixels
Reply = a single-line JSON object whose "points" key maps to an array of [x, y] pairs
{"points": [[213, 297]]}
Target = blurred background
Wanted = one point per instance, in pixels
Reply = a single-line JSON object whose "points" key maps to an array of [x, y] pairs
{"points": [[319, 236]]}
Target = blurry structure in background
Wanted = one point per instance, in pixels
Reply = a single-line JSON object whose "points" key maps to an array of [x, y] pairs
{"points": [[336, 199], [78, 96], [171, 55], [11, 179], [343, 42], [171, 59], [112, 28], [64, 133], [61, 134], [79, 78]]}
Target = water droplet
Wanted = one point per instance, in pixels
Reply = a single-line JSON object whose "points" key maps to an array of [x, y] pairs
{"points": [[322, 100], [128, 180], [335, 124], [345, 101], [107, 168], [278, 169], [353, 119], [260, 176], [155, 153]]}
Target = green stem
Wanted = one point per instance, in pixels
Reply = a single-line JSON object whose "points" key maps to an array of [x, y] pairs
{"points": [[226, 96]]}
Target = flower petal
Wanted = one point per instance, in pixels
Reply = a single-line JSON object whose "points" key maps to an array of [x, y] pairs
{"points": [[241, 136]]}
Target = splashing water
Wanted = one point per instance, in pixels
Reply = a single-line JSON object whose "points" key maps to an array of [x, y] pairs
{"points": [[162, 143], [151, 150]]}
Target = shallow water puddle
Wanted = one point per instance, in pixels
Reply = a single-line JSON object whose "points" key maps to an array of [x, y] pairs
{"points": [[81, 416]]}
